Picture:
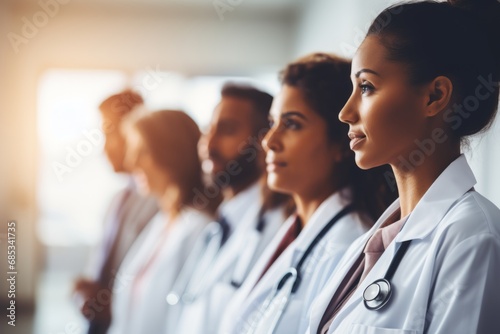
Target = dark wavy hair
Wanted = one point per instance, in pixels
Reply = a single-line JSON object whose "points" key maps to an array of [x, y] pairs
{"points": [[324, 80]]}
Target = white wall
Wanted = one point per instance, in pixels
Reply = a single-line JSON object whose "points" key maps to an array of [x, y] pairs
{"points": [[135, 38], [335, 26], [484, 157], [16, 173], [3, 146], [4, 19]]}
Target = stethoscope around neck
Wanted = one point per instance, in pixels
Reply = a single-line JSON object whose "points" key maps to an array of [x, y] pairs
{"points": [[295, 271], [191, 282], [378, 293], [270, 311]]}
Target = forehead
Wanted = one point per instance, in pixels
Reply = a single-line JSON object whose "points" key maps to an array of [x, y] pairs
{"points": [[292, 99], [289, 99], [372, 55], [233, 109], [112, 118]]}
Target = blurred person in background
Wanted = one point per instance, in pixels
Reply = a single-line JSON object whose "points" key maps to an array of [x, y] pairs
{"points": [[162, 153], [248, 217], [128, 214]]}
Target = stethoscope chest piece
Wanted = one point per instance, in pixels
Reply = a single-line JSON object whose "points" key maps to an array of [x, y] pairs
{"points": [[173, 299], [377, 294]]}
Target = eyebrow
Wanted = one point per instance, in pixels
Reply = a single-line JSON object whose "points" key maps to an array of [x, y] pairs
{"points": [[293, 113], [366, 70]]}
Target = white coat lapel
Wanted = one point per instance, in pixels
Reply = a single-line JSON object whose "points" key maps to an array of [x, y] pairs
{"points": [[230, 252], [323, 300], [453, 182], [378, 271]]}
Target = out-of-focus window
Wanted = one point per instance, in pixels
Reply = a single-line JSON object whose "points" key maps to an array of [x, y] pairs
{"points": [[75, 183]]}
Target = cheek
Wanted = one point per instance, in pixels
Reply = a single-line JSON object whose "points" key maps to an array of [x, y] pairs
{"points": [[324, 163], [313, 158], [146, 166], [391, 120], [227, 147], [109, 146], [239, 141], [155, 174]]}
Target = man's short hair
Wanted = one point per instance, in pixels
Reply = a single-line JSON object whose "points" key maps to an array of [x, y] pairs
{"points": [[260, 100], [121, 104]]}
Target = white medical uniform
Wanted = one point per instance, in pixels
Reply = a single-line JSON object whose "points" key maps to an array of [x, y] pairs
{"points": [[447, 282], [139, 304], [314, 273], [203, 315]]}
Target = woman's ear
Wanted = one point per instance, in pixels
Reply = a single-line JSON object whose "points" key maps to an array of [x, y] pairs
{"points": [[439, 93]]}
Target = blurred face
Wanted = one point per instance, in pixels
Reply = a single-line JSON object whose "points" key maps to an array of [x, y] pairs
{"points": [[228, 136], [150, 178], [114, 146], [385, 112], [299, 156]]}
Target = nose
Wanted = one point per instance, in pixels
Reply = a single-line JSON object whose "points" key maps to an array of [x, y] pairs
{"points": [[130, 161], [271, 140], [203, 147], [208, 141], [108, 145], [349, 113]]}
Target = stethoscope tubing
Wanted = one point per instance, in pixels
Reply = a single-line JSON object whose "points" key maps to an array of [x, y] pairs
{"points": [[294, 271], [377, 294]]}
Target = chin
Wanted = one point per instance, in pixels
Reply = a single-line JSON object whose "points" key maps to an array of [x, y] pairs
{"points": [[275, 183], [117, 168], [362, 161], [366, 162]]}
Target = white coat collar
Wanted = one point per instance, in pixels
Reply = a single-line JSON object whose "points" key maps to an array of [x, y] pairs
{"points": [[326, 211], [234, 208], [453, 182], [241, 212]]}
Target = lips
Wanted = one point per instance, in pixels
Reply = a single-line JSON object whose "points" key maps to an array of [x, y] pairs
{"points": [[273, 165], [357, 138]]}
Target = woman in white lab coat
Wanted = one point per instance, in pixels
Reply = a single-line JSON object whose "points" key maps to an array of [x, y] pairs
{"points": [[162, 152], [309, 158], [425, 77]]}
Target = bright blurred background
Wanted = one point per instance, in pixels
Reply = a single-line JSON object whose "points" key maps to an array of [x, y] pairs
{"points": [[60, 58]]}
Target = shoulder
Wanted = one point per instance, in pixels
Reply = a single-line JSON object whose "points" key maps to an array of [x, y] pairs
{"points": [[195, 217], [473, 214], [350, 227], [471, 218]]}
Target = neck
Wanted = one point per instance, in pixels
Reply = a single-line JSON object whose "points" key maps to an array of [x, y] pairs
{"points": [[307, 204], [415, 181], [170, 203], [237, 187]]}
